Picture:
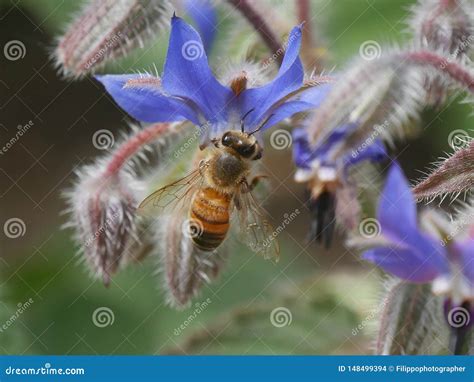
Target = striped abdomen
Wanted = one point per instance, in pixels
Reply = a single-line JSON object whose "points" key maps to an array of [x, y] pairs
{"points": [[210, 215]]}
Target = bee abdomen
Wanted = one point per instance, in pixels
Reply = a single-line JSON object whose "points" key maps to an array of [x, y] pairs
{"points": [[210, 214]]}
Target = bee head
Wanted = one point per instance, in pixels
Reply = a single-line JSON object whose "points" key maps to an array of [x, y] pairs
{"points": [[243, 144]]}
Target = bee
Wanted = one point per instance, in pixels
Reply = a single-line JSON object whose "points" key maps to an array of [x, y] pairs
{"points": [[218, 186]]}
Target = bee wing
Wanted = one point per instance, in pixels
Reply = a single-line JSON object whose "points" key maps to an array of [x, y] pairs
{"points": [[167, 196], [257, 232]]}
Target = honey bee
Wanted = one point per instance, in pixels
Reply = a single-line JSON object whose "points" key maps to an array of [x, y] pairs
{"points": [[212, 191]]}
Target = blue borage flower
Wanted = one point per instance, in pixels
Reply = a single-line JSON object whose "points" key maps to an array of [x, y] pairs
{"points": [[189, 91], [204, 15], [413, 255], [326, 170]]}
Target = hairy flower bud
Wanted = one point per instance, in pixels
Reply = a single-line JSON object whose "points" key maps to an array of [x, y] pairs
{"points": [[186, 268], [453, 175], [107, 30], [103, 217], [446, 26]]}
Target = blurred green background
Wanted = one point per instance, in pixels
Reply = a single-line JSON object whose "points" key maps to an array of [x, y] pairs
{"points": [[329, 293]]}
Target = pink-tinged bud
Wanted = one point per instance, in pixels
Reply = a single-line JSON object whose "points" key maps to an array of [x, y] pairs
{"points": [[186, 268], [103, 217], [453, 176], [109, 29], [446, 26], [103, 201]]}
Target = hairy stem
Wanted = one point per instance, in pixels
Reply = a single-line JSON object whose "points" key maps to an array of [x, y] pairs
{"points": [[308, 45], [133, 145], [442, 64], [260, 25]]}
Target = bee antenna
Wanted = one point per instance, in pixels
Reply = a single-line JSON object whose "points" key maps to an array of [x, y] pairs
{"points": [[262, 124], [243, 118]]}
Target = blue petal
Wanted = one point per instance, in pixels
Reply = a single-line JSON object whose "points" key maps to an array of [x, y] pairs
{"points": [[308, 99], [375, 152], [204, 15], [289, 79], [305, 154], [187, 73], [403, 263], [398, 220], [397, 208], [146, 104], [302, 153]]}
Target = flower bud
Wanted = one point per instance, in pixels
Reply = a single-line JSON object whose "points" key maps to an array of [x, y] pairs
{"points": [[103, 217], [106, 30], [187, 269]]}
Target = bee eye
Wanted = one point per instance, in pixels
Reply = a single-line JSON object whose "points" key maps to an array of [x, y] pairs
{"points": [[246, 151], [226, 139]]}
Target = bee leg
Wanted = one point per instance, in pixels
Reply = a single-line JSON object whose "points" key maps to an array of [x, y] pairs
{"points": [[237, 203], [255, 181]]}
